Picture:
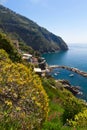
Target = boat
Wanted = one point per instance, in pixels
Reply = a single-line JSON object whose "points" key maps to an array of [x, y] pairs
{"points": [[71, 75], [55, 74]]}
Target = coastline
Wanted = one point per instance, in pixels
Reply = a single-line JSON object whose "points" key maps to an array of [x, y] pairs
{"points": [[74, 89], [76, 70]]}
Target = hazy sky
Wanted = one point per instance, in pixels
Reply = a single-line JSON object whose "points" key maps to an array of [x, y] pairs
{"points": [[66, 18]]}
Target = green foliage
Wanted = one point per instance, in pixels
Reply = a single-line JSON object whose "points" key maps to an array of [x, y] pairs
{"points": [[72, 106], [54, 120], [64, 108], [26, 48], [48, 87], [52, 126], [6, 44], [4, 56], [79, 120], [23, 101]]}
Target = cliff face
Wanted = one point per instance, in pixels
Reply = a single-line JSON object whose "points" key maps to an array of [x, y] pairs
{"points": [[25, 30]]}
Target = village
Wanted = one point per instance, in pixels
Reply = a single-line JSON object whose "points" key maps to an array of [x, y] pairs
{"points": [[43, 69], [40, 66]]}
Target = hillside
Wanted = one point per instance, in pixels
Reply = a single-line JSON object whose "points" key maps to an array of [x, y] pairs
{"points": [[66, 111], [26, 31], [8, 46], [31, 102]]}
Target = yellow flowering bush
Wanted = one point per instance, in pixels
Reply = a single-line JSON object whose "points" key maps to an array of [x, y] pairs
{"points": [[80, 120], [22, 97], [4, 56]]}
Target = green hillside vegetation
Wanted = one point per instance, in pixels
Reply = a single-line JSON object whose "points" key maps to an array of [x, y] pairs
{"points": [[25, 48], [29, 102], [28, 32], [23, 101], [7, 45], [66, 111]]}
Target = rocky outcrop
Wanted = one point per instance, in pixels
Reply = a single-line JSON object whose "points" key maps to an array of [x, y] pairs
{"points": [[74, 89]]}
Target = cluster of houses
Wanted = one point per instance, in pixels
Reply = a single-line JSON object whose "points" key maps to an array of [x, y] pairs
{"points": [[41, 63]]}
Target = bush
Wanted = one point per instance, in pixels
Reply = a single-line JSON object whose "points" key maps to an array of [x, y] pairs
{"points": [[72, 106], [51, 126], [4, 56], [23, 101], [80, 120], [7, 45]]}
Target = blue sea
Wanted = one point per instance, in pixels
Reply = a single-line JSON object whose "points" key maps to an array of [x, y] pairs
{"points": [[76, 57]]}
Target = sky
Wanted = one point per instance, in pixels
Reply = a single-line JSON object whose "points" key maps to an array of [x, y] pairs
{"points": [[65, 18]]}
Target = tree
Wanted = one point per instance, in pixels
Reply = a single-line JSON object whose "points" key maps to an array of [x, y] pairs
{"points": [[6, 44]]}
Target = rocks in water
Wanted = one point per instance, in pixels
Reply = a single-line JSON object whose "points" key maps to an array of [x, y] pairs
{"points": [[74, 89], [65, 82]]}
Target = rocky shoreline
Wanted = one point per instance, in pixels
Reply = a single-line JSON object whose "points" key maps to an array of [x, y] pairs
{"points": [[74, 89]]}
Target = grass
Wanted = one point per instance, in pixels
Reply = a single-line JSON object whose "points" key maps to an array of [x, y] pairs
{"points": [[54, 121], [57, 99]]}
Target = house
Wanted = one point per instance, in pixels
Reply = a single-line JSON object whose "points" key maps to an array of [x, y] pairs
{"points": [[34, 60], [38, 71], [27, 57]]}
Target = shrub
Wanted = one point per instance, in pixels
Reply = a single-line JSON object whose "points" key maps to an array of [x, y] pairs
{"points": [[72, 106], [22, 97], [4, 56], [80, 120], [6, 44], [51, 126]]}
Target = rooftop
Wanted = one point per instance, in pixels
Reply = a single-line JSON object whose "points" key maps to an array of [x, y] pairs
{"points": [[37, 70]]}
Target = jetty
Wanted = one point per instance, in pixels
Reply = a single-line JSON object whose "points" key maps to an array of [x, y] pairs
{"points": [[82, 73]]}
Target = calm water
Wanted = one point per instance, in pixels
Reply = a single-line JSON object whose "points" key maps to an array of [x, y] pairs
{"points": [[76, 56]]}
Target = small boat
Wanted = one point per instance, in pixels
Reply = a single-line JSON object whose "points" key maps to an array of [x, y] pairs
{"points": [[80, 93], [71, 75], [55, 74]]}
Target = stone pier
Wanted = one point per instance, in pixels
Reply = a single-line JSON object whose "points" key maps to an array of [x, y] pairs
{"points": [[82, 73]]}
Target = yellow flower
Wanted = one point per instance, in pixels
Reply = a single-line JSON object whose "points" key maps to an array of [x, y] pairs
{"points": [[9, 103], [38, 104], [18, 108], [33, 98]]}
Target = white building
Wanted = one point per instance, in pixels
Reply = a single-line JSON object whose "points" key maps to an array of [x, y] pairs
{"points": [[26, 56]]}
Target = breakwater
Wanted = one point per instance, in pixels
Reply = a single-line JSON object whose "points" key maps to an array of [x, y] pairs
{"points": [[82, 73]]}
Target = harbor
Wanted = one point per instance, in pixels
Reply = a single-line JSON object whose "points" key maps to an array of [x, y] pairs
{"points": [[82, 73]]}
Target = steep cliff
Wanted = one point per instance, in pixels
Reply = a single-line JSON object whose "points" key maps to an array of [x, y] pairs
{"points": [[25, 30]]}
